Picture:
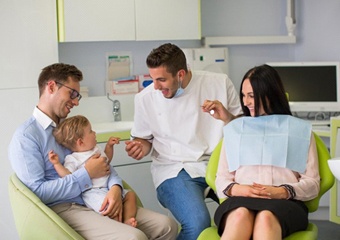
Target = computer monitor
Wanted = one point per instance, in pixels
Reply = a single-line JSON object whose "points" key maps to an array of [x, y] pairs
{"points": [[311, 86]]}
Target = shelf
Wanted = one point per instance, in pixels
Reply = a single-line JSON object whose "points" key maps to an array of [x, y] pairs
{"points": [[239, 40], [103, 137]]}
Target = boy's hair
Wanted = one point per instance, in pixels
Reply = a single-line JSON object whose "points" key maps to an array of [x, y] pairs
{"points": [[70, 130]]}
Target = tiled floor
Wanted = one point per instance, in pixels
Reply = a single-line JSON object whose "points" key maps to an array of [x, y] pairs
{"points": [[327, 230]]}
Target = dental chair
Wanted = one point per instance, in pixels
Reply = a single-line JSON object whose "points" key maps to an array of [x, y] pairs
{"points": [[34, 220]]}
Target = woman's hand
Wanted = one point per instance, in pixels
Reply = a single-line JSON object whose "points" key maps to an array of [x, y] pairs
{"points": [[272, 191], [259, 191], [248, 191]]}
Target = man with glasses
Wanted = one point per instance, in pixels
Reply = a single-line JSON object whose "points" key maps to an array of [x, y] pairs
{"points": [[28, 152], [73, 94]]}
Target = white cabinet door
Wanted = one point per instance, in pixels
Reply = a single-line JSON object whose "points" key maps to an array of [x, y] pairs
{"points": [[168, 19], [28, 41], [138, 176], [119, 20], [334, 211], [101, 20]]}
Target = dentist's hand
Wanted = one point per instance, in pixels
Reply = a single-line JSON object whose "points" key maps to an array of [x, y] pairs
{"points": [[134, 149], [217, 110]]}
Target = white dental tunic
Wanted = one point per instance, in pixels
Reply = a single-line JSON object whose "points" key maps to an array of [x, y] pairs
{"points": [[182, 135]]}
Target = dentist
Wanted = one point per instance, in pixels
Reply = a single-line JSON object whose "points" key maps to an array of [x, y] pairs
{"points": [[172, 122]]}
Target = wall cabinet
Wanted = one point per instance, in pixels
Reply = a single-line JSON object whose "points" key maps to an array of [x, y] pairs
{"points": [[103, 20], [126, 20], [168, 19]]}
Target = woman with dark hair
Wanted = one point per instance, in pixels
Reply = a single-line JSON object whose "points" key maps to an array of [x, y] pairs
{"points": [[267, 89], [268, 164]]}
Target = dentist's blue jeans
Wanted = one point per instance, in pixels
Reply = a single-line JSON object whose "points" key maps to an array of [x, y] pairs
{"points": [[184, 197]]}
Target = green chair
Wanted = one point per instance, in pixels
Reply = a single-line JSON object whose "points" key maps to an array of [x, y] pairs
{"points": [[33, 219], [327, 181]]}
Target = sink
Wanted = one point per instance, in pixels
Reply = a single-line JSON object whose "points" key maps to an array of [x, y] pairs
{"points": [[111, 127]]}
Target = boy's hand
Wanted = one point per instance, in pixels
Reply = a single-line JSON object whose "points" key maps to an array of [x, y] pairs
{"points": [[109, 151], [112, 141], [53, 157]]}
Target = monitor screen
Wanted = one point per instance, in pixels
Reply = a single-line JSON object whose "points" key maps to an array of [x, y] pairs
{"points": [[311, 86]]}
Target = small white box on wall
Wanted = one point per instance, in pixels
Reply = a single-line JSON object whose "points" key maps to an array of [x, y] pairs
{"points": [[208, 59]]}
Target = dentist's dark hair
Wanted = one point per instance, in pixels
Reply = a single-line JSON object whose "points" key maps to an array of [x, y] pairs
{"points": [[169, 56], [267, 89]]}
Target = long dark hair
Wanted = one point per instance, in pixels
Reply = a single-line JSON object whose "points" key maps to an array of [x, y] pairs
{"points": [[267, 89]]}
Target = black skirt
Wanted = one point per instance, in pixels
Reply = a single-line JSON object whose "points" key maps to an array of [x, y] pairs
{"points": [[292, 214]]}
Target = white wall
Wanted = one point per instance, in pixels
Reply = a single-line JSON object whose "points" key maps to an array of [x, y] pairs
{"points": [[318, 38], [16, 106], [317, 31], [248, 18], [27, 44], [90, 57]]}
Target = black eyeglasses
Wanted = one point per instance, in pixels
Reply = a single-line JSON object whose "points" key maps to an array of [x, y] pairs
{"points": [[74, 93]]}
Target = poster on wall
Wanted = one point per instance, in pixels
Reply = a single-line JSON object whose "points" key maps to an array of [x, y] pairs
{"points": [[119, 74], [118, 65]]}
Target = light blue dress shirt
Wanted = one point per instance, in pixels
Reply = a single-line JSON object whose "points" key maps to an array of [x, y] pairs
{"points": [[28, 154]]}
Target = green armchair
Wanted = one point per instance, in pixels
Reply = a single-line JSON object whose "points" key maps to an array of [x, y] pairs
{"points": [[34, 220]]}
